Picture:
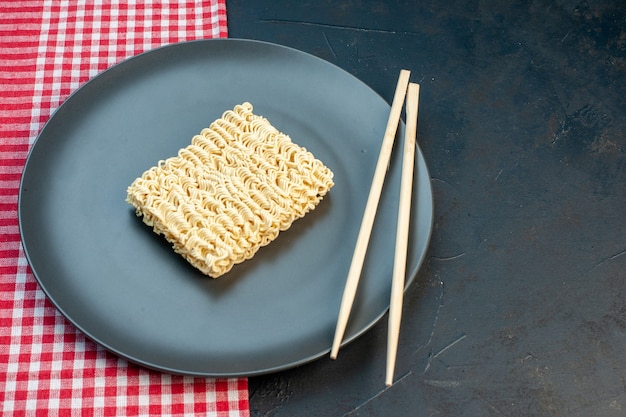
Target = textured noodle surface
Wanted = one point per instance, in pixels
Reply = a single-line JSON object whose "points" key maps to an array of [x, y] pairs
{"points": [[230, 192]]}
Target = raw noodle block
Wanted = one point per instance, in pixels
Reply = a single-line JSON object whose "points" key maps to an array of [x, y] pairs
{"points": [[230, 192]]}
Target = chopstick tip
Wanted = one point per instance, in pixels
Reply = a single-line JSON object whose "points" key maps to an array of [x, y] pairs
{"points": [[334, 351]]}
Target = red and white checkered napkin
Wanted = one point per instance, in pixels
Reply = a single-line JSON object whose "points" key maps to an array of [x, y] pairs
{"points": [[47, 367]]}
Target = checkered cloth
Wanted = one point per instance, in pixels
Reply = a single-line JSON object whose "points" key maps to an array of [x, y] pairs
{"points": [[47, 50]]}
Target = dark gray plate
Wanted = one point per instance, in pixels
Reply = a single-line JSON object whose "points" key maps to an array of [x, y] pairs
{"points": [[124, 287]]}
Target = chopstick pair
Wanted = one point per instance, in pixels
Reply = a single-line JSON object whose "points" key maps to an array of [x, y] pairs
{"points": [[411, 91]]}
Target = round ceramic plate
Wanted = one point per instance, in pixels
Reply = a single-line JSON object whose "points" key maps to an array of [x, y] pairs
{"points": [[125, 288]]}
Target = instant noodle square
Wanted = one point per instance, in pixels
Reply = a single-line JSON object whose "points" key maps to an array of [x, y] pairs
{"points": [[230, 192]]}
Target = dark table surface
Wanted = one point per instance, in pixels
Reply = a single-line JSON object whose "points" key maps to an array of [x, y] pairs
{"points": [[520, 306]]}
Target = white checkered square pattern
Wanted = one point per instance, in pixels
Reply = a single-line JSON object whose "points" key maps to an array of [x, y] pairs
{"points": [[47, 367]]}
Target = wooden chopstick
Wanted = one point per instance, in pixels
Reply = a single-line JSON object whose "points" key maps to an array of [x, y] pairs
{"points": [[402, 233], [371, 206]]}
